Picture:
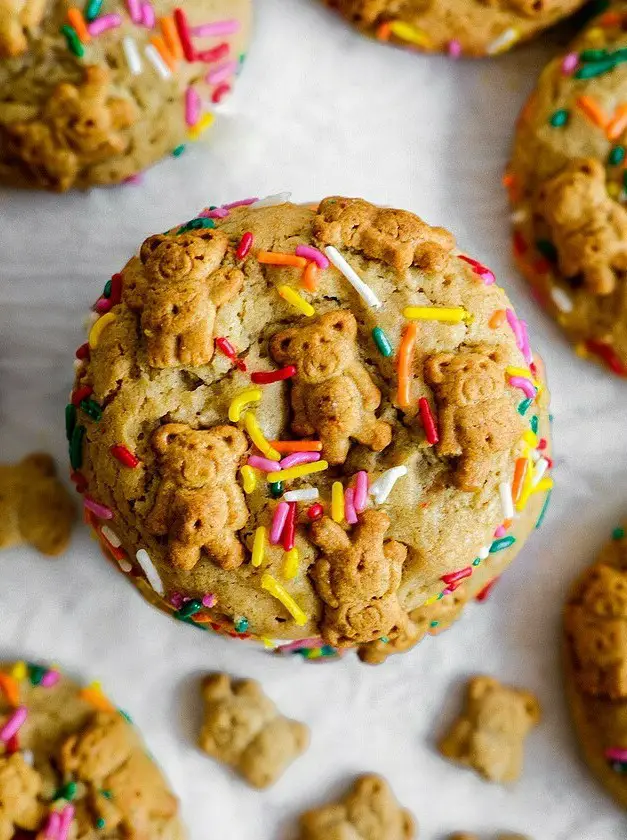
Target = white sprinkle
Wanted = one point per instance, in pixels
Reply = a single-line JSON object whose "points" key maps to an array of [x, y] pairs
{"points": [[152, 54], [541, 468], [271, 200], [124, 564], [90, 320], [110, 536], [519, 216], [506, 500], [131, 52], [353, 278], [382, 487], [149, 570], [504, 40], [28, 757], [79, 364], [561, 299], [307, 494], [484, 552]]}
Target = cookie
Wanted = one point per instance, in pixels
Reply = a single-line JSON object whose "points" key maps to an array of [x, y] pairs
{"points": [[489, 736], [595, 628], [72, 765], [95, 94], [35, 508], [567, 184], [368, 810], [309, 425], [456, 27], [244, 729]]}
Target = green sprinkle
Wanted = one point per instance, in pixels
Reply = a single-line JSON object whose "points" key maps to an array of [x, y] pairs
{"points": [[616, 156], [559, 118], [598, 68], [35, 673], [523, 407], [544, 509], [189, 608], [434, 623], [503, 543], [125, 715], [73, 41], [440, 596], [92, 409], [107, 794], [92, 9], [76, 447], [592, 55], [534, 424], [476, 561], [547, 249], [241, 625], [384, 639], [100, 823], [70, 420], [327, 650], [179, 150], [196, 224], [382, 341], [618, 533], [67, 792], [619, 766], [276, 489], [107, 289]]}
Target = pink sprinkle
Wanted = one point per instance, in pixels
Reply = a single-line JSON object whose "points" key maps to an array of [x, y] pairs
{"points": [[514, 323], [300, 644], [299, 458], [50, 678], [569, 63], [99, 510], [479, 269], [221, 73], [525, 385], [13, 724], [454, 48], [134, 179], [312, 254], [524, 338], [148, 15], [216, 213], [101, 24], [135, 10], [53, 824], [67, 815], [349, 506], [213, 30], [361, 490], [616, 753], [500, 532], [192, 106], [209, 600], [103, 305], [177, 600], [264, 464], [243, 202], [278, 522]]}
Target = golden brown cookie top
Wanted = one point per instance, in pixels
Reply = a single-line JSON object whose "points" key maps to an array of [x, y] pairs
{"points": [[245, 377], [70, 761]]}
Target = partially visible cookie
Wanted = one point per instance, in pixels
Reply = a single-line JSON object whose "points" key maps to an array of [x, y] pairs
{"points": [[489, 736], [457, 27], [71, 764], [243, 728], [369, 811], [464, 836], [35, 508], [595, 625], [568, 187]]}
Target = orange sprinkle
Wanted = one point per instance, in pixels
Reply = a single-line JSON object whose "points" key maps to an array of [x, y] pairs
{"points": [[404, 362], [497, 319], [519, 475], [310, 277], [170, 36], [618, 123], [512, 185], [96, 698], [10, 688], [592, 110], [296, 445], [277, 258], [75, 16], [609, 19], [159, 44], [383, 31]]}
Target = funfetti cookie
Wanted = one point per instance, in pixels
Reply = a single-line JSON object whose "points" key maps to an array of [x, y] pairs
{"points": [[567, 184], [317, 426], [456, 27], [595, 624], [94, 93], [72, 765]]}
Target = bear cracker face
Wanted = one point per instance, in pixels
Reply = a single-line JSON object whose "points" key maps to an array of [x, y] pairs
{"points": [[503, 711], [606, 593], [197, 458], [570, 197], [183, 258], [470, 377]]}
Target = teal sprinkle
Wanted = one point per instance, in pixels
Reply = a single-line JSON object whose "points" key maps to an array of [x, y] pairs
{"points": [[92, 9], [476, 561], [327, 650], [35, 673], [125, 715], [618, 533], [616, 156], [534, 424], [523, 407], [382, 341], [179, 150], [544, 509], [503, 543], [107, 289], [384, 639], [276, 489], [70, 420], [107, 794], [559, 118], [440, 596], [619, 766], [598, 68], [547, 249], [196, 224], [73, 41], [434, 623], [241, 625], [76, 447], [100, 823], [189, 608], [593, 55], [92, 409]]}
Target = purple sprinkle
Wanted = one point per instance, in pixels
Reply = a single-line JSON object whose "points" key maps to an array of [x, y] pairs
{"points": [[209, 600]]}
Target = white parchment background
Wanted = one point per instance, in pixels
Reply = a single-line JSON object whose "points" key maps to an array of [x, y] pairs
{"points": [[318, 111]]}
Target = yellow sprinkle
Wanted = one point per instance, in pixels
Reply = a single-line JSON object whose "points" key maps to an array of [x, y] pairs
{"points": [[613, 189], [430, 601], [98, 328], [516, 371], [268, 643], [272, 586], [290, 564], [243, 398], [521, 504], [201, 126], [314, 653], [410, 33], [451, 315], [259, 439], [543, 485], [249, 478], [297, 472], [530, 438], [296, 300], [337, 501], [259, 546], [19, 671]]}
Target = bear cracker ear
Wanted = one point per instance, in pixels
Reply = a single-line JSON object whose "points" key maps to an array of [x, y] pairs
{"points": [[281, 345], [480, 687], [436, 367], [233, 437], [165, 435], [150, 246], [340, 322]]}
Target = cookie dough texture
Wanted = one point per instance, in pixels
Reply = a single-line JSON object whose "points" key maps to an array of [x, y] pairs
{"points": [[76, 753], [489, 736], [35, 508], [595, 624], [567, 185], [166, 389], [77, 121], [459, 27], [243, 728]]}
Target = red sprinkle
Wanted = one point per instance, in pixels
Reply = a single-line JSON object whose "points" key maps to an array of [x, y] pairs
{"points": [[225, 346], [83, 351], [482, 596], [265, 377], [289, 529], [124, 456], [116, 289], [79, 479], [81, 394], [12, 745], [214, 54], [244, 246], [220, 92], [454, 579], [520, 246], [605, 352], [180, 19], [315, 511], [428, 421], [542, 444]]}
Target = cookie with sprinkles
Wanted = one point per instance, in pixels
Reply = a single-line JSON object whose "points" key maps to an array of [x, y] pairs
{"points": [[73, 765], [595, 659], [456, 27], [567, 181], [94, 92], [318, 426]]}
